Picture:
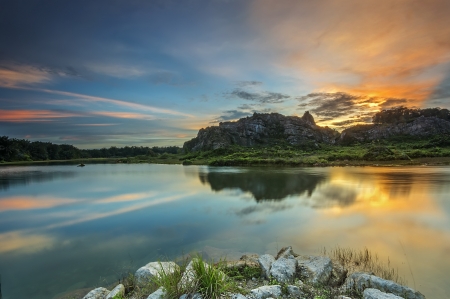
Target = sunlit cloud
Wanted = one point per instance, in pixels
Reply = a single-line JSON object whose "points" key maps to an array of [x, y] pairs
{"points": [[127, 115], [128, 197], [377, 48], [17, 75], [34, 115]]}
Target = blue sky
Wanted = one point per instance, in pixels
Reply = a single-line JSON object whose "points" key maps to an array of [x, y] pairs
{"points": [[103, 73]]}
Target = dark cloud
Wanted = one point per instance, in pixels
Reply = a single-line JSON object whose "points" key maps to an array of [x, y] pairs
{"points": [[231, 115], [345, 122], [331, 104], [248, 83], [265, 97], [442, 91], [392, 102], [262, 208]]}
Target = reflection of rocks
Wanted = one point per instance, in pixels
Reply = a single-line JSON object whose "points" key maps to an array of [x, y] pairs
{"points": [[265, 185]]}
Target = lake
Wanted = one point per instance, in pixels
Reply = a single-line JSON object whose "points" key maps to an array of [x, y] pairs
{"points": [[64, 228]]}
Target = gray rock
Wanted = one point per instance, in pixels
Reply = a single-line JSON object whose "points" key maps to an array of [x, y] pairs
{"points": [[295, 291], [377, 294], [286, 252], [189, 274], [145, 274], [250, 258], [265, 262], [284, 269], [238, 296], [338, 275], [314, 269], [119, 290], [191, 296], [158, 294], [343, 297], [98, 293], [362, 281], [265, 292]]}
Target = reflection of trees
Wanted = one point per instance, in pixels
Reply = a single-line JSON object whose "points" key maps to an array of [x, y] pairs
{"points": [[265, 185], [10, 179]]}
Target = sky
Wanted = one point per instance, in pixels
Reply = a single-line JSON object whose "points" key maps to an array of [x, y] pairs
{"points": [[152, 73]]}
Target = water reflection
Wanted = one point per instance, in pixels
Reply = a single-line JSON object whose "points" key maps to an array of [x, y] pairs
{"points": [[86, 229], [21, 176], [262, 184]]}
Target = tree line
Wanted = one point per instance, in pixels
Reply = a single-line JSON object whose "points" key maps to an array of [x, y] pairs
{"points": [[12, 149], [403, 114]]}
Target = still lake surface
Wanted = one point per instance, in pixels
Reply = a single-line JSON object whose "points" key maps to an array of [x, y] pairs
{"points": [[64, 227]]}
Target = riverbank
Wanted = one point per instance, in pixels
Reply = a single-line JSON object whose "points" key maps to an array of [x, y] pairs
{"points": [[343, 274]]}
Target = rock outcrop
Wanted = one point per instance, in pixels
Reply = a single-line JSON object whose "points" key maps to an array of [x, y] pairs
{"points": [[144, 274], [420, 127], [262, 129]]}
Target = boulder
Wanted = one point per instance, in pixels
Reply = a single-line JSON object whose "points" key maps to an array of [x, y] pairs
{"points": [[98, 293], [338, 275], [265, 292], [265, 262], [314, 269], [250, 258], [189, 275], [191, 296], [145, 274], [118, 291], [284, 269], [286, 252], [361, 281], [377, 294], [238, 296], [158, 294], [295, 291], [343, 297]]}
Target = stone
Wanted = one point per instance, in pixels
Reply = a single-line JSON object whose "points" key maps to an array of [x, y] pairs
{"points": [[146, 273], [118, 291], [294, 291], [158, 294], [343, 297], [284, 269], [98, 293], [238, 296], [265, 292], [361, 281], [338, 275], [286, 252], [314, 269], [191, 296], [377, 294], [250, 258], [265, 262]]}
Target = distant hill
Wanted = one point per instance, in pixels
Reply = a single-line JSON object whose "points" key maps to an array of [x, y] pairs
{"points": [[276, 129]]}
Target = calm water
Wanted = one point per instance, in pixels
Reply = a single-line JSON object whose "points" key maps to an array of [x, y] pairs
{"points": [[64, 227]]}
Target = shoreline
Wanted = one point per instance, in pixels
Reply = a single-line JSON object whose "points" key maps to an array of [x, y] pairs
{"points": [[426, 161]]}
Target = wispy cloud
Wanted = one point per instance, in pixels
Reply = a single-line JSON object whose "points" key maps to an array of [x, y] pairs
{"points": [[264, 97], [19, 75], [34, 115]]}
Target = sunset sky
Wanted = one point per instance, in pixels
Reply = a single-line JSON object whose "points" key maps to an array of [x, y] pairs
{"points": [[135, 72]]}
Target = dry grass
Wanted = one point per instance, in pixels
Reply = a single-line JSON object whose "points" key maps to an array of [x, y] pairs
{"points": [[364, 261]]}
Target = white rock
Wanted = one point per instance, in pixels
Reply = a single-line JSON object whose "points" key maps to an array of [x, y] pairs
{"points": [[314, 269], [98, 293], [145, 274], [294, 291], [265, 292], [119, 290], [193, 296], [377, 294], [238, 296], [158, 294], [361, 281], [283, 269], [343, 297], [265, 262], [189, 274]]}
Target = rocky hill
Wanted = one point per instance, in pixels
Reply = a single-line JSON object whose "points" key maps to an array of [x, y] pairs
{"points": [[274, 128], [262, 129]]}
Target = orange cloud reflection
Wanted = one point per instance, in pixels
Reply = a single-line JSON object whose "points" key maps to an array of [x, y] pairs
{"points": [[30, 203]]}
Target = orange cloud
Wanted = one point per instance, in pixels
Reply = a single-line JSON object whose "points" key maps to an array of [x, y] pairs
{"points": [[377, 48], [128, 115], [19, 75], [33, 115]]}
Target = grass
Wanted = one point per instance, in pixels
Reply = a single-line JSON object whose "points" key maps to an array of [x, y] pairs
{"points": [[364, 261], [207, 279]]}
